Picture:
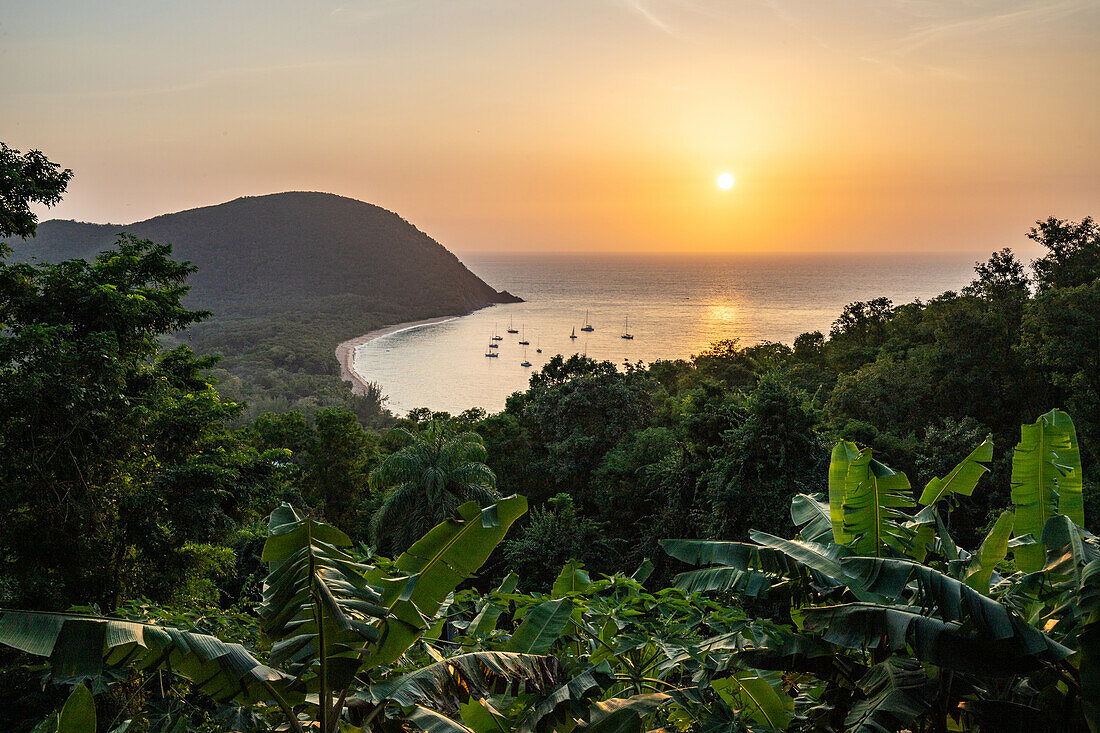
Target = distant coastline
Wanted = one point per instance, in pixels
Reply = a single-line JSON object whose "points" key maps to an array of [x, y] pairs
{"points": [[345, 352]]}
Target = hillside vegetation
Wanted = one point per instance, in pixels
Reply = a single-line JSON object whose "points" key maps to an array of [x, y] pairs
{"points": [[287, 277]]}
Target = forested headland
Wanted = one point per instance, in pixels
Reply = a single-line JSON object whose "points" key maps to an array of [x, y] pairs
{"points": [[284, 278], [852, 532]]}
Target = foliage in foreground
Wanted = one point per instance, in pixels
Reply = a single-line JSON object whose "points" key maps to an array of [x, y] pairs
{"points": [[871, 619]]}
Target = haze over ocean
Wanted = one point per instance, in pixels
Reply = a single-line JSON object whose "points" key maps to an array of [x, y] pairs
{"points": [[677, 306]]}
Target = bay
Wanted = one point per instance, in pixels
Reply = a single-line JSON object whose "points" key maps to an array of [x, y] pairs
{"points": [[676, 307]]}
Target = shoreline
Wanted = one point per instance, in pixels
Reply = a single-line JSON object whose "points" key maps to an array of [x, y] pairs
{"points": [[345, 352]]}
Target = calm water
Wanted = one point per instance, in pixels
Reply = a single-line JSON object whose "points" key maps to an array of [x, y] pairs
{"points": [[675, 306]]}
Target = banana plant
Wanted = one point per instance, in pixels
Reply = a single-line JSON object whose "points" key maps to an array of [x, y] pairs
{"points": [[1046, 481], [900, 628], [333, 622]]}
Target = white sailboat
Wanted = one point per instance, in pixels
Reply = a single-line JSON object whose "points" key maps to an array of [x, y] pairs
{"points": [[626, 330], [587, 326]]}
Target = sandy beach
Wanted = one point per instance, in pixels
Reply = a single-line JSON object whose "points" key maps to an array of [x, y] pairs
{"points": [[345, 352]]}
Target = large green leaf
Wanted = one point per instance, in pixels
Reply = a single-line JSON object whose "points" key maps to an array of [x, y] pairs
{"points": [[481, 717], [1046, 480], [566, 702], [812, 517], [541, 627], [874, 495], [318, 609], [571, 579], [430, 721], [861, 626], [78, 713], [485, 621], [79, 646], [824, 560], [738, 555], [743, 582], [963, 478], [624, 714], [952, 601], [772, 556], [434, 566], [898, 691], [844, 453], [756, 699], [993, 550], [441, 685]]}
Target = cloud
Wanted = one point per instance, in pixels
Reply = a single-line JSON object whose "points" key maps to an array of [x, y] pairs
{"points": [[998, 18], [641, 8]]}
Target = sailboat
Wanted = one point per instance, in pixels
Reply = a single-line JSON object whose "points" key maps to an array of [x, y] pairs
{"points": [[523, 340], [626, 330], [492, 345], [496, 336], [525, 362], [538, 346], [574, 334], [587, 326], [511, 329]]}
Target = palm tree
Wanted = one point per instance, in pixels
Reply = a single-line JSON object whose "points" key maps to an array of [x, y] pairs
{"points": [[438, 469]]}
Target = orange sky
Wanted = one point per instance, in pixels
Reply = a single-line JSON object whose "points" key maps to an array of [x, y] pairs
{"points": [[563, 125]]}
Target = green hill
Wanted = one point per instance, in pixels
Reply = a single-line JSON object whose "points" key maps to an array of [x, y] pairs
{"points": [[288, 276], [263, 254]]}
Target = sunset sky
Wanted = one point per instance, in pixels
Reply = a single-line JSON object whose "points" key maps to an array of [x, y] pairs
{"points": [[570, 125]]}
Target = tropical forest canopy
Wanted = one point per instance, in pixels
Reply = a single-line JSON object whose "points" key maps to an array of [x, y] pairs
{"points": [[886, 527]]}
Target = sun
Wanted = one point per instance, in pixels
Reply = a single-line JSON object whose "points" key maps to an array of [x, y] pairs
{"points": [[725, 181]]}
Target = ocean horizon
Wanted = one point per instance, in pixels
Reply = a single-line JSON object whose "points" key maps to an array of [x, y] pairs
{"points": [[674, 306]]}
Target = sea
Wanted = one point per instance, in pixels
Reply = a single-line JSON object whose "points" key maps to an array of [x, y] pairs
{"points": [[673, 306]]}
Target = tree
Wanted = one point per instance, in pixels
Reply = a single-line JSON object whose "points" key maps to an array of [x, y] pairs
{"points": [[26, 179], [1073, 253], [437, 469], [772, 454], [338, 465], [104, 436]]}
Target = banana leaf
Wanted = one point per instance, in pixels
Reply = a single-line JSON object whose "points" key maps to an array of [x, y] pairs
{"points": [[993, 550], [571, 579], [756, 699], [963, 478], [812, 517], [874, 495], [844, 453], [943, 643], [317, 607], [433, 567], [568, 701], [78, 712], [441, 685], [1046, 480], [1088, 641], [541, 627], [623, 715], [743, 582], [898, 691], [430, 721], [485, 621], [81, 646]]}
